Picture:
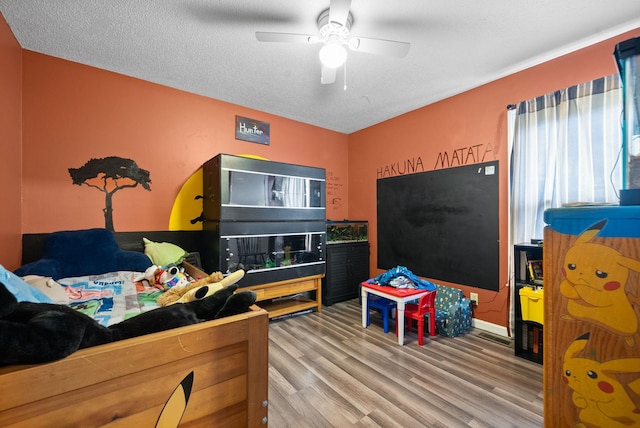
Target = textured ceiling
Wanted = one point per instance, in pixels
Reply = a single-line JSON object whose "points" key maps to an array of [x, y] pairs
{"points": [[209, 47]]}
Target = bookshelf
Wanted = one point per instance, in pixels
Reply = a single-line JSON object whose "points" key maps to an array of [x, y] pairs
{"points": [[528, 329]]}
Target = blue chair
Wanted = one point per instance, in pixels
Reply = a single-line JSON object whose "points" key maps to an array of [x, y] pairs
{"points": [[386, 306]]}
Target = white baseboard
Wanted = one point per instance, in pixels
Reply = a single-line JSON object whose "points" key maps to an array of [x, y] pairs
{"points": [[490, 327]]}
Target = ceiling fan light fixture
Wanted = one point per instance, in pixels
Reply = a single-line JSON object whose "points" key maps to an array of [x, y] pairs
{"points": [[333, 55], [334, 35]]}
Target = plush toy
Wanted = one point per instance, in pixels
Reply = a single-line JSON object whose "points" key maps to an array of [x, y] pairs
{"points": [[163, 253], [41, 332], [199, 288], [163, 278]]}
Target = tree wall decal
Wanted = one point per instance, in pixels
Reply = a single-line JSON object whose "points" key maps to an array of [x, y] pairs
{"points": [[109, 175]]}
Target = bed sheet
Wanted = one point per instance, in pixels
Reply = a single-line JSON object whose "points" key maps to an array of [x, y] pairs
{"points": [[112, 297]]}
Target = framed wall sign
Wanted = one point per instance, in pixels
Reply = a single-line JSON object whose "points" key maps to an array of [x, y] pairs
{"points": [[252, 130]]}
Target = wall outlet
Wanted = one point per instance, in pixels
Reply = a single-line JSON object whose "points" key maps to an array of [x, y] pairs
{"points": [[474, 298]]}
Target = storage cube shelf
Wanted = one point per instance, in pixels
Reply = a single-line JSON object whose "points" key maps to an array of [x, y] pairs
{"points": [[529, 301]]}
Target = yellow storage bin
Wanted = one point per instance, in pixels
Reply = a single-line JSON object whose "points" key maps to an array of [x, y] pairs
{"points": [[532, 304]]}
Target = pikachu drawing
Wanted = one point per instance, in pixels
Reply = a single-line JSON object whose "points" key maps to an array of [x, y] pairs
{"points": [[601, 398], [594, 284], [176, 404]]}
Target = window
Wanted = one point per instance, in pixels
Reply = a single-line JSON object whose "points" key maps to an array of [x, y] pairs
{"points": [[566, 148]]}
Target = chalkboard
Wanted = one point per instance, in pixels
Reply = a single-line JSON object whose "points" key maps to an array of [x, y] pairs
{"points": [[442, 224]]}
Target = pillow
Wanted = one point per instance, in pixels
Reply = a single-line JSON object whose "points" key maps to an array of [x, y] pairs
{"points": [[82, 252], [49, 287], [163, 253], [19, 288]]}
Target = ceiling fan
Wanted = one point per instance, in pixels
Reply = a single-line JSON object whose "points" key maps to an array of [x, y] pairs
{"points": [[334, 25]]}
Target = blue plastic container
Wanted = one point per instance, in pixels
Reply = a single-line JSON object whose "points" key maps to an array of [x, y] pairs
{"points": [[622, 221]]}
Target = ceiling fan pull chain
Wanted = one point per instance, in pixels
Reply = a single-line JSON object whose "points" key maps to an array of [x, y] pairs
{"points": [[345, 76]]}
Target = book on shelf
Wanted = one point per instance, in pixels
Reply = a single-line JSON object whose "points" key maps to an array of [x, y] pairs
{"points": [[532, 336], [540, 340], [523, 265], [535, 271]]}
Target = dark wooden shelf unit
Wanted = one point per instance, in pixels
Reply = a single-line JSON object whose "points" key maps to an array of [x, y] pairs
{"points": [[528, 335], [347, 266]]}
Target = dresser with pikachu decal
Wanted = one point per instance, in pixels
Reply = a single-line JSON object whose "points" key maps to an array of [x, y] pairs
{"points": [[591, 317]]}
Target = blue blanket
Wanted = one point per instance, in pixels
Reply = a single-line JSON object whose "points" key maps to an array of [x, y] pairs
{"points": [[389, 276]]}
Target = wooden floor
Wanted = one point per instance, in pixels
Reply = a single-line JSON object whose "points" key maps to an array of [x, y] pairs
{"points": [[325, 370]]}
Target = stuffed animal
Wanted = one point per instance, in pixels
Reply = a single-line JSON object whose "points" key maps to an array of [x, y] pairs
{"points": [[163, 278], [33, 333], [199, 289]]}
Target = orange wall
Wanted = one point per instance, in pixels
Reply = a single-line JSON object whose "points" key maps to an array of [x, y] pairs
{"points": [[477, 117], [73, 113], [11, 159]]}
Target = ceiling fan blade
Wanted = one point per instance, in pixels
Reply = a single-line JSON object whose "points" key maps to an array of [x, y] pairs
{"points": [[263, 36], [379, 46], [327, 75], [230, 13], [339, 11]]}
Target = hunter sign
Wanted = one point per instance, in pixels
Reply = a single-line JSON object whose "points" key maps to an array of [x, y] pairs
{"points": [[252, 130]]}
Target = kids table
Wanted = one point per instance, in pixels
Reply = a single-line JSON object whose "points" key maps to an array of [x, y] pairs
{"points": [[398, 295]]}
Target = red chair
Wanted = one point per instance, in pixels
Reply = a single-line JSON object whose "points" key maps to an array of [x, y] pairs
{"points": [[426, 306]]}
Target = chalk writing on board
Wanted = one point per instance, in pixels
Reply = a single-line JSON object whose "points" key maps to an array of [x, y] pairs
{"points": [[408, 166], [464, 156], [334, 190]]}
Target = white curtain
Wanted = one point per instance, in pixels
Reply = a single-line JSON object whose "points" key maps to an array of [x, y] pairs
{"points": [[566, 146], [294, 190]]}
